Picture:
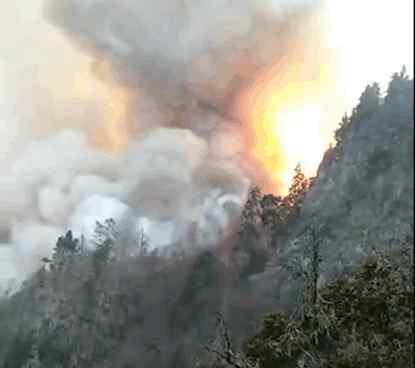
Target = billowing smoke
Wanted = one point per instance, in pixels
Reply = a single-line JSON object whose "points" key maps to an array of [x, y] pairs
{"points": [[186, 55], [180, 170]]}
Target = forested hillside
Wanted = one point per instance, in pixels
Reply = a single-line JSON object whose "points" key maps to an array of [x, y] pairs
{"points": [[322, 277]]}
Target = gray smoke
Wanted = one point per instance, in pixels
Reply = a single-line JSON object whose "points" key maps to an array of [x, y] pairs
{"points": [[184, 173], [184, 54]]}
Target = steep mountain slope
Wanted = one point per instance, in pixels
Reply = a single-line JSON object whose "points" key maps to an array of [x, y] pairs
{"points": [[363, 194], [88, 309]]}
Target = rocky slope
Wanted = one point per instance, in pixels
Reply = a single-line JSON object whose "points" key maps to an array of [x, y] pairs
{"points": [[362, 196]]}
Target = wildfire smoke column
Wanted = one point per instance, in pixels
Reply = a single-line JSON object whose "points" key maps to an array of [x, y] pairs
{"points": [[188, 63], [158, 134]]}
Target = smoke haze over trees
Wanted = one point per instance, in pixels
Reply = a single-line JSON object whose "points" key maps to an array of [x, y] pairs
{"points": [[331, 261], [161, 148], [137, 223]]}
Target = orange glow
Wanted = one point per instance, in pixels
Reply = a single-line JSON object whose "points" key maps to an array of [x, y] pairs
{"points": [[288, 109], [107, 104], [113, 135], [292, 108]]}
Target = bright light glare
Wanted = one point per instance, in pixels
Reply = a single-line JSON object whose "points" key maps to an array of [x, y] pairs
{"points": [[300, 131], [372, 39], [298, 104]]}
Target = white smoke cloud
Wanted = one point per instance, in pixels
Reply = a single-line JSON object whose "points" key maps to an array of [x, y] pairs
{"points": [[60, 183], [184, 176], [92, 209]]}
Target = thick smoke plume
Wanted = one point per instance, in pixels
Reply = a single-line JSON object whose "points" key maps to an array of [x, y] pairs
{"points": [[180, 170], [186, 55]]}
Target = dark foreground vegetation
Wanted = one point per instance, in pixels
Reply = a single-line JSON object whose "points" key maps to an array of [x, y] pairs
{"points": [[365, 320]]}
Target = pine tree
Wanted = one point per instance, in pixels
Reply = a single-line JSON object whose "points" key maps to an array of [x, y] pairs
{"points": [[340, 133], [252, 210], [65, 246], [398, 106], [399, 88], [369, 103], [274, 217], [251, 247], [297, 191], [104, 239], [251, 217]]}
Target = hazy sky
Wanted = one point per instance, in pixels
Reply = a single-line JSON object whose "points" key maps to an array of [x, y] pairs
{"points": [[373, 37]]}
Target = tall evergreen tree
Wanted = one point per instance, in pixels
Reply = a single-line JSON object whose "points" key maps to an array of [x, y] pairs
{"points": [[399, 95], [369, 103], [297, 191], [252, 209], [274, 216], [340, 133], [65, 246], [251, 216], [104, 238]]}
